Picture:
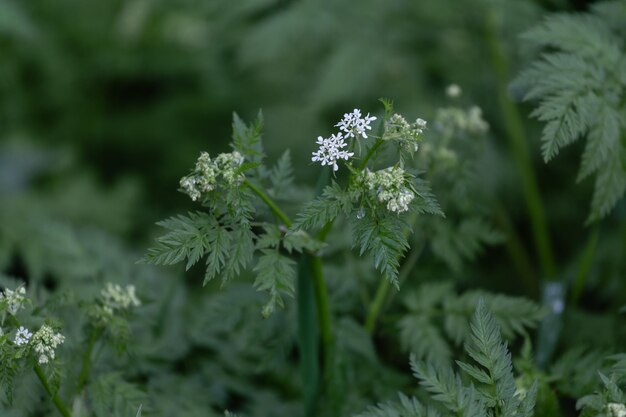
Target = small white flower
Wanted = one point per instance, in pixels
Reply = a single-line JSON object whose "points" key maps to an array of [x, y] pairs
{"points": [[353, 125], [22, 336], [390, 187], [453, 91], [15, 300], [115, 297], [207, 173], [331, 150], [44, 342], [616, 409]]}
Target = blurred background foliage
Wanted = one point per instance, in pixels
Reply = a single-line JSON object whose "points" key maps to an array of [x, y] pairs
{"points": [[105, 105]]}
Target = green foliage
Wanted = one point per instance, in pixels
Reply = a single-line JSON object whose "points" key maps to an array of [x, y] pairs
{"points": [[407, 407], [438, 319], [112, 396], [610, 399], [494, 392], [381, 235], [579, 85]]}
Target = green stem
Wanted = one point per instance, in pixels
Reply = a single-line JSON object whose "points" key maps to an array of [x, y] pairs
{"points": [[269, 202], [382, 292], [586, 260], [321, 292], [521, 154], [370, 153], [84, 371], [518, 253], [323, 313], [58, 402]]}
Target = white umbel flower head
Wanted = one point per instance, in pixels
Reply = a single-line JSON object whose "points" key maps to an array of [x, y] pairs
{"points": [[389, 184], [453, 91], [407, 135], [616, 409], [44, 342], [353, 125], [114, 297], [331, 150], [22, 336], [13, 299], [208, 172]]}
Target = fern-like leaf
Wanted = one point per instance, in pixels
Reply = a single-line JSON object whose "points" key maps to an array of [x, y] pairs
{"points": [[276, 275], [579, 86]]}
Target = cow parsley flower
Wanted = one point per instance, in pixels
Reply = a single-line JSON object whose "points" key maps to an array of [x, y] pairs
{"points": [[389, 184], [408, 135], [331, 150], [208, 172], [45, 342], [22, 336], [454, 119], [14, 299], [114, 297], [616, 409], [353, 125], [453, 91]]}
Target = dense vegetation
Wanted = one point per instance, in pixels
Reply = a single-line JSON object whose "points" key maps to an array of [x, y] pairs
{"points": [[425, 218]]}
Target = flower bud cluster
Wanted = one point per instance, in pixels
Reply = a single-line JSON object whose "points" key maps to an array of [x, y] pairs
{"points": [[208, 172], [114, 297], [616, 410], [44, 342], [455, 119], [14, 300], [408, 135], [331, 149], [389, 184]]}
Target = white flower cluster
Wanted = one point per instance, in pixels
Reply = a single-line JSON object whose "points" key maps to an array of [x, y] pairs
{"points": [[205, 176], [331, 149], [15, 300], [22, 336], [616, 410], [456, 119], [453, 91], [114, 297], [408, 135], [390, 188], [45, 342], [353, 125]]}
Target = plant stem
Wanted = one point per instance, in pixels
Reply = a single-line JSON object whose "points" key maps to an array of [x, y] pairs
{"points": [[518, 253], [58, 402], [323, 312], [380, 298], [269, 202], [370, 153], [84, 371], [321, 292], [586, 260], [519, 144]]}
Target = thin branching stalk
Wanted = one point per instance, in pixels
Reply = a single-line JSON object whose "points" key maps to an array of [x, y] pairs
{"points": [[58, 402], [382, 297], [94, 335], [270, 203], [519, 144], [370, 153], [321, 291], [586, 261]]}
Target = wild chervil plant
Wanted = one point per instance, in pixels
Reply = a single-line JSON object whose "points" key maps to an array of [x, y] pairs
{"points": [[332, 295], [231, 186]]}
